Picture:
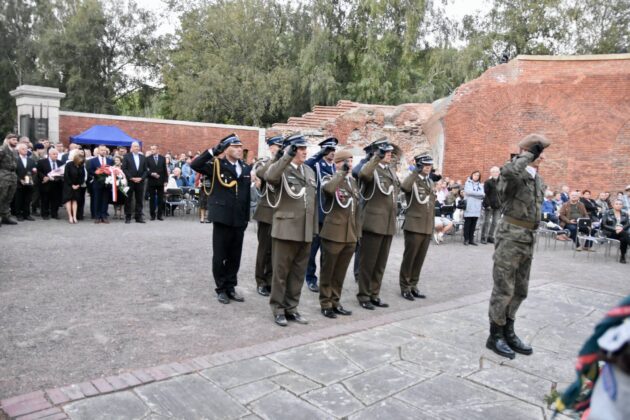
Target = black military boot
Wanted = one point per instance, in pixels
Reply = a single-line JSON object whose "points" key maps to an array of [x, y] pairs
{"points": [[496, 342], [512, 339]]}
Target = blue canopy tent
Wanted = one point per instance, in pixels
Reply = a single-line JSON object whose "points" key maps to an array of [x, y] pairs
{"points": [[108, 135]]}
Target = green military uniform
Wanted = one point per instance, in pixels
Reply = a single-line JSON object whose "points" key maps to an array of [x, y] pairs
{"points": [[339, 235], [293, 227], [264, 216], [380, 186], [8, 180], [521, 192], [418, 228]]}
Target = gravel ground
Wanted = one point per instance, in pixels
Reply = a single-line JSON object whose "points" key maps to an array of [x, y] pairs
{"points": [[81, 301]]}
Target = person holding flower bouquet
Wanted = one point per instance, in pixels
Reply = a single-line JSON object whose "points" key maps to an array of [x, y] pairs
{"points": [[119, 200], [99, 170]]}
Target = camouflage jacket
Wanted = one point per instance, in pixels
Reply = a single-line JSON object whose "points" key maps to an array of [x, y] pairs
{"points": [[521, 194], [8, 163]]}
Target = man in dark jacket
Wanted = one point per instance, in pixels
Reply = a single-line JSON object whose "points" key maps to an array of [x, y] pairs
{"points": [[135, 168], [228, 210], [491, 207]]}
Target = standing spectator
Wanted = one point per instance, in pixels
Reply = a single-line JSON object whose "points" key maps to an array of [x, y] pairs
{"points": [[100, 190], [570, 212], [121, 199], [188, 173], [158, 178], [134, 165], [50, 189], [204, 183], [25, 171], [590, 205], [229, 211], [39, 153], [8, 178], [74, 178], [491, 207], [474, 197], [564, 195], [616, 225]]}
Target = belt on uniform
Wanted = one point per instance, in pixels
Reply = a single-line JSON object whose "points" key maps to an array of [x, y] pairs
{"points": [[522, 223]]}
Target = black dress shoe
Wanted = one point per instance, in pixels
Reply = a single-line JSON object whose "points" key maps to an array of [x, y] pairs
{"points": [[622, 259], [367, 305], [490, 240], [329, 313], [281, 320], [223, 298], [473, 243], [407, 295], [235, 297], [46, 217], [417, 294], [339, 310], [296, 317], [465, 242], [262, 290], [140, 221], [313, 287], [127, 221], [483, 241], [377, 302], [152, 217], [160, 218], [20, 219], [10, 220], [30, 218]]}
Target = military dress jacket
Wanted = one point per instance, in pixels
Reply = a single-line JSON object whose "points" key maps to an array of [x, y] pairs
{"points": [[322, 169], [295, 218], [521, 198], [379, 209], [420, 214], [343, 222], [228, 205], [264, 212]]}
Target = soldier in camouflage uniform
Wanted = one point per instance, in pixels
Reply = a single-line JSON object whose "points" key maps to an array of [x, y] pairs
{"points": [[521, 190], [8, 178]]}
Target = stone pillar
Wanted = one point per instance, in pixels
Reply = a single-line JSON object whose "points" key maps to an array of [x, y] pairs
{"points": [[39, 102]]}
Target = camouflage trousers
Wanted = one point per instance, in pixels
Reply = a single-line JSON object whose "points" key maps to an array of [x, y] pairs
{"points": [[513, 252], [7, 191]]}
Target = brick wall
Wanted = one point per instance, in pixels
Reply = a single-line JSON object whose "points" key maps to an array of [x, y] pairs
{"points": [[582, 104], [175, 136]]}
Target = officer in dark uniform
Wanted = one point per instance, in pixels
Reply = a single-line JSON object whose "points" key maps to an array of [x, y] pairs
{"points": [[228, 210], [293, 228], [418, 225], [264, 216], [380, 187], [521, 191], [323, 164]]}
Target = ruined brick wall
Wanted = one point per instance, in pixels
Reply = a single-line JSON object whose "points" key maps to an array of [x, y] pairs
{"points": [[581, 103], [175, 136]]}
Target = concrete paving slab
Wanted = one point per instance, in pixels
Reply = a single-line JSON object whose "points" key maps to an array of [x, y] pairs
{"points": [[441, 356], [388, 335], [242, 372], [513, 410], [571, 294], [252, 391], [281, 405], [445, 391], [378, 384], [513, 382], [389, 409], [335, 400], [121, 405], [295, 383], [366, 354], [562, 339], [421, 372], [321, 362], [545, 364], [433, 325], [188, 397]]}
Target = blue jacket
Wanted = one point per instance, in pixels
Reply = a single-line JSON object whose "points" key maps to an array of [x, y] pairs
{"points": [[321, 168], [548, 206]]}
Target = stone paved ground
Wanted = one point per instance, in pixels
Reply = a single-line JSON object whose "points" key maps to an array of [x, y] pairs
{"points": [[71, 315]]}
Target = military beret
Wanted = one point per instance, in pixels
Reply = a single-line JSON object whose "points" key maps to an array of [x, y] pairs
{"points": [[627, 187], [39, 146], [231, 140], [423, 159], [329, 142], [531, 139], [342, 155], [274, 140], [297, 140]]}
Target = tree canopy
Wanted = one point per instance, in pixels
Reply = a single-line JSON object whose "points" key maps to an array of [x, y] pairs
{"points": [[256, 62]]}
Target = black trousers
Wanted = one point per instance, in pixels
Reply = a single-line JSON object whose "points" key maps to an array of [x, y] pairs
{"points": [[135, 194], [23, 201], [470, 224], [81, 203], [50, 198], [156, 192], [623, 238], [227, 245], [101, 194]]}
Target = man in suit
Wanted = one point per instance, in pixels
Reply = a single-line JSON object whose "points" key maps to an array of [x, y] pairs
{"points": [[39, 152], [157, 175], [100, 191], [340, 232], [50, 188], [135, 168], [380, 189], [264, 216], [323, 164], [228, 210], [25, 171], [293, 228], [8, 178], [418, 225]]}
